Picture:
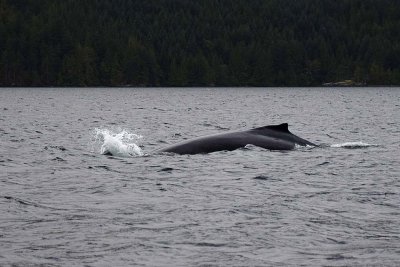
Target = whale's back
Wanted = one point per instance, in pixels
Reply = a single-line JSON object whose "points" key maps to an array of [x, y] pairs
{"points": [[272, 137]]}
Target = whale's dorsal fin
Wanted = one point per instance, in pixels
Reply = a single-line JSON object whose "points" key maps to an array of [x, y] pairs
{"points": [[284, 127]]}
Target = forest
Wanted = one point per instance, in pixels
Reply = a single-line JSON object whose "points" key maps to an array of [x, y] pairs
{"points": [[199, 43]]}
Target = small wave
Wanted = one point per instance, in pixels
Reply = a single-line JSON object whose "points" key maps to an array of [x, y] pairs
{"points": [[120, 143], [30, 203], [261, 177], [353, 145], [55, 147], [166, 169]]}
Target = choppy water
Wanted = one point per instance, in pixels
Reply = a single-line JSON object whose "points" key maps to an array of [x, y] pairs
{"points": [[64, 203]]}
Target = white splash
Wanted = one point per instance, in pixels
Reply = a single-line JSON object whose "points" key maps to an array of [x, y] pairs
{"points": [[358, 144], [121, 143]]}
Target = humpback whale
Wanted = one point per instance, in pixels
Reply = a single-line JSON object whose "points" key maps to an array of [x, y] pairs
{"points": [[272, 137]]}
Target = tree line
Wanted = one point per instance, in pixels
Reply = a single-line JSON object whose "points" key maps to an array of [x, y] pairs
{"points": [[198, 43]]}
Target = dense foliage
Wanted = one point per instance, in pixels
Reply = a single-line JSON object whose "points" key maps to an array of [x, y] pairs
{"points": [[196, 43]]}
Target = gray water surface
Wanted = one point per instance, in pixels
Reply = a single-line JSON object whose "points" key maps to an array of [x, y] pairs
{"points": [[63, 203]]}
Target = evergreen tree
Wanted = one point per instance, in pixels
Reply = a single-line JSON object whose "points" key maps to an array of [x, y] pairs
{"points": [[198, 43]]}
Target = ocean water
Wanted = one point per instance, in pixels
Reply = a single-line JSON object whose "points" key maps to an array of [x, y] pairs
{"points": [[64, 203]]}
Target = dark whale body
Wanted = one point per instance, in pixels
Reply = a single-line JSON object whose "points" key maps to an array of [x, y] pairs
{"points": [[272, 137]]}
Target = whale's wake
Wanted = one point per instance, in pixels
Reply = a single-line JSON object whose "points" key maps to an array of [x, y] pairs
{"points": [[353, 145], [120, 143]]}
